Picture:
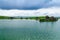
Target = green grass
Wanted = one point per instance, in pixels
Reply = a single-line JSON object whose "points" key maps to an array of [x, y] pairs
{"points": [[41, 18], [4, 17]]}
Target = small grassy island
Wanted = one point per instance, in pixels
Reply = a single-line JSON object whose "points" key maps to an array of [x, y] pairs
{"points": [[48, 19], [41, 18]]}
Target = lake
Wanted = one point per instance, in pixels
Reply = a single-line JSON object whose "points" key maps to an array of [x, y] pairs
{"points": [[17, 29]]}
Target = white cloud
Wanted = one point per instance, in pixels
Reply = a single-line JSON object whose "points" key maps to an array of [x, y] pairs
{"points": [[15, 12], [53, 11]]}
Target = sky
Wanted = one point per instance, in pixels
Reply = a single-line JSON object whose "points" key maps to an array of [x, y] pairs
{"points": [[29, 7], [27, 4]]}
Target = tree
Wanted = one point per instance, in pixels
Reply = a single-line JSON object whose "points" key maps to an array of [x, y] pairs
{"points": [[47, 17]]}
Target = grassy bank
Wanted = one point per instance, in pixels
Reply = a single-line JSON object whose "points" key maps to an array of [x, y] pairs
{"points": [[41, 18], [4, 17], [7, 17]]}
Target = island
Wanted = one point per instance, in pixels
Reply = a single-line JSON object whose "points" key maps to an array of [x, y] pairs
{"points": [[48, 19]]}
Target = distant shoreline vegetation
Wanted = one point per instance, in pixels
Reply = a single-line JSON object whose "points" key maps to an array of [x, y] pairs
{"points": [[41, 18], [7, 17]]}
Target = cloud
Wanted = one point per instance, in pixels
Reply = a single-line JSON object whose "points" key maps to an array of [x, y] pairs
{"points": [[28, 4], [52, 3], [15, 12], [52, 11], [23, 4], [55, 3]]}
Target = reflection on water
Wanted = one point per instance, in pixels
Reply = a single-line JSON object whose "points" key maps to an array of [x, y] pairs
{"points": [[29, 30]]}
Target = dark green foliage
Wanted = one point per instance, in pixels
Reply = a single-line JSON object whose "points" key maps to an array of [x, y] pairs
{"points": [[48, 19]]}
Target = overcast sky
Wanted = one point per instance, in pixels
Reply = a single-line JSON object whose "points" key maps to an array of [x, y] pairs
{"points": [[29, 7], [28, 4]]}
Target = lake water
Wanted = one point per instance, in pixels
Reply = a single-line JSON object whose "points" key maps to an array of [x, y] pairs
{"points": [[29, 30]]}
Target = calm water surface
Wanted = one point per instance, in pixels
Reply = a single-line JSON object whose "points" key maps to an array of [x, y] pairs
{"points": [[29, 30]]}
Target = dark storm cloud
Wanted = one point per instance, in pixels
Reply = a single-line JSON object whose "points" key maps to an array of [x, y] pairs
{"points": [[25, 4]]}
